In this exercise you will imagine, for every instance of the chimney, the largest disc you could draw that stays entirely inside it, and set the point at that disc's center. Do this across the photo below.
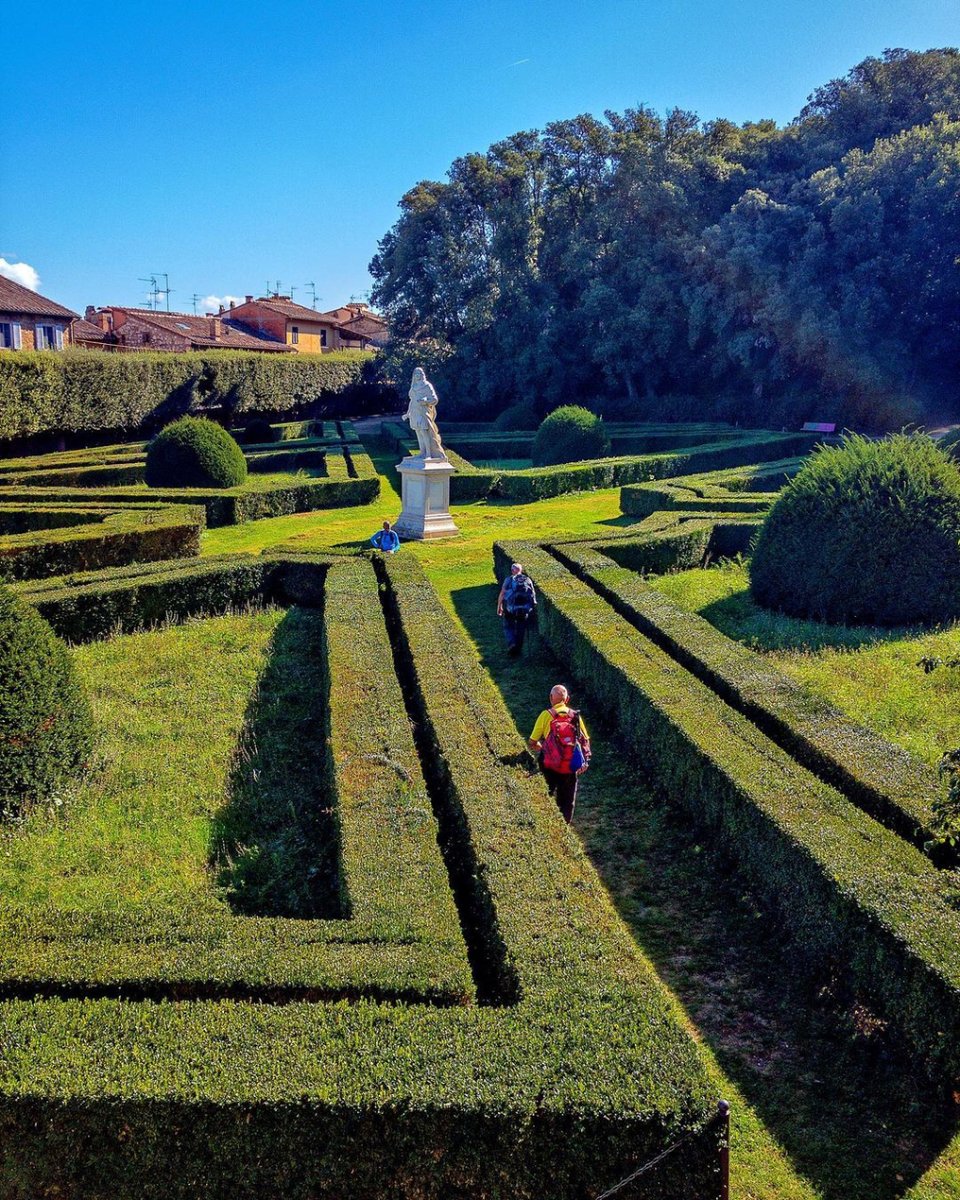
(90, 314)
(248, 300)
(221, 310)
(231, 304)
(104, 320)
(216, 327)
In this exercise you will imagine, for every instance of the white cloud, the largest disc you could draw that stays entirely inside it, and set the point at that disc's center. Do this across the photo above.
(20, 272)
(212, 303)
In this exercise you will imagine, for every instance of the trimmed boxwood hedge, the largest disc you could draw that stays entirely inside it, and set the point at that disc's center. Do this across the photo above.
(577, 1069)
(855, 898)
(101, 538)
(747, 489)
(537, 483)
(879, 777)
(41, 392)
(351, 478)
(388, 947)
(46, 729)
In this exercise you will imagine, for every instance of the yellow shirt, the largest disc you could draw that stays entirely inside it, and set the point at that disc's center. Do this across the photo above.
(542, 727)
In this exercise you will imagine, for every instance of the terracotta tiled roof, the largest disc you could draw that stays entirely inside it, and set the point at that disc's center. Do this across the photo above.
(197, 331)
(365, 326)
(86, 331)
(15, 298)
(295, 312)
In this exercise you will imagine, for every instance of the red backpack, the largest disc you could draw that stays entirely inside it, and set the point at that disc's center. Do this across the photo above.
(562, 740)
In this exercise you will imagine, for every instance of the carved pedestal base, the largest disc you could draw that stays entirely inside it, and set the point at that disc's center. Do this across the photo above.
(426, 499)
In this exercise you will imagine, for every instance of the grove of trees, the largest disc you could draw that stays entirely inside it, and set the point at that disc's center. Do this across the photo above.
(663, 267)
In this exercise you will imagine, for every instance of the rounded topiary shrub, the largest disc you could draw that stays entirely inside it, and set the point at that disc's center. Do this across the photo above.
(866, 533)
(45, 723)
(258, 431)
(570, 434)
(518, 417)
(194, 452)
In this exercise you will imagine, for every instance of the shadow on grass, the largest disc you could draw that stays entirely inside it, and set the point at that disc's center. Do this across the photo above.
(740, 617)
(824, 1076)
(275, 845)
(622, 521)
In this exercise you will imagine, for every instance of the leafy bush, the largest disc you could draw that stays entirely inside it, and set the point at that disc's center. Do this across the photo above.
(45, 722)
(950, 443)
(866, 533)
(518, 416)
(194, 452)
(570, 434)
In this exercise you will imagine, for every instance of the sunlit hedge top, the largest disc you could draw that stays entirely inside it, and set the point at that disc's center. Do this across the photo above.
(867, 532)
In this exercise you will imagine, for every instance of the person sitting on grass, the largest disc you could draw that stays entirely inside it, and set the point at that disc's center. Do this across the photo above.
(562, 745)
(386, 540)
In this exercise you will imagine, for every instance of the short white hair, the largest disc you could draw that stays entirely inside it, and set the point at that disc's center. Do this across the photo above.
(560, 690)
(516, 569)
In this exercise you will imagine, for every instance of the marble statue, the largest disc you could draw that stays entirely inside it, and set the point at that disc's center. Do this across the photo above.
(422, 416)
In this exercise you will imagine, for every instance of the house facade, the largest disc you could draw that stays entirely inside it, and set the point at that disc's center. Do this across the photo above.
(278, 317)
(147, 329)
(29, 321)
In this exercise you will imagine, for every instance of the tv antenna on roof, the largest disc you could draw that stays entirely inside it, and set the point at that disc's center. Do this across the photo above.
(195, 297)
(275, 290)
(154, 293)
(313, 293)
(165, 290)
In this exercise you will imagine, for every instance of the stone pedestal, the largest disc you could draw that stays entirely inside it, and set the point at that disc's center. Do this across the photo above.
(426, 499)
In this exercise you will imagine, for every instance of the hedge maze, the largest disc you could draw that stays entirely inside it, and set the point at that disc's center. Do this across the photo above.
(640, 452)
(87, 509)
(829, 823)
(460, 1012)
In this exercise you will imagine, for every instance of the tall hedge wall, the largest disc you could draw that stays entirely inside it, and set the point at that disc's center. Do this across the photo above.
(86, 391)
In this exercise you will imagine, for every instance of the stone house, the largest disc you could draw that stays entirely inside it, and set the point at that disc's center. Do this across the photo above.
(148, 329)
(29, 321)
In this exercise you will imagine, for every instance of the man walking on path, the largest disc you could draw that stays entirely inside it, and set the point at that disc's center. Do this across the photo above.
(562, 745)
(516, 604)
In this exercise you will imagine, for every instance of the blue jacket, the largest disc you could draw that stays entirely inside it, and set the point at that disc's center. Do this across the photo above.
(386, 540)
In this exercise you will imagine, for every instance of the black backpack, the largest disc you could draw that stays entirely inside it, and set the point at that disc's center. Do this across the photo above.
(520, 598)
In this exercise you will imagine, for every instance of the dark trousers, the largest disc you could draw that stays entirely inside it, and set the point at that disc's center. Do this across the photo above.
(563, 788)
(514, 630)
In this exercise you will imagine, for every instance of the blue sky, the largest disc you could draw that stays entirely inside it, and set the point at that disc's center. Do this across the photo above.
(229, 144)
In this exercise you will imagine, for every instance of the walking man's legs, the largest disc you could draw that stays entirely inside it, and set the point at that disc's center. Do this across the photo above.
(563, 788)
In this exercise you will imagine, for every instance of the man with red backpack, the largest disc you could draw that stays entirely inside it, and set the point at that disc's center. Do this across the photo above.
(562, 744)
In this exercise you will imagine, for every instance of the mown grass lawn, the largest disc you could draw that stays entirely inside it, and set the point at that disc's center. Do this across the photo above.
(169, 706)
(871, 674)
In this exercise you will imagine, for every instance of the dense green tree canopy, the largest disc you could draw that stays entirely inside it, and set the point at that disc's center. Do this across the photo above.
(662, 267)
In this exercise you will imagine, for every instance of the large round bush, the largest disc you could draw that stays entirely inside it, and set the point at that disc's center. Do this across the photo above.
(194, 452)
(45, 722)
(570, 434)
(866, 532)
